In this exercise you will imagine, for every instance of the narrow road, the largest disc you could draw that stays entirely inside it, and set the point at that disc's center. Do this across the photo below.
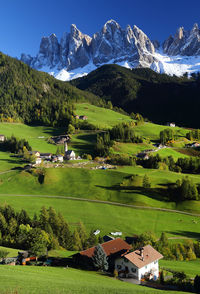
(104, 202)
(7, 171)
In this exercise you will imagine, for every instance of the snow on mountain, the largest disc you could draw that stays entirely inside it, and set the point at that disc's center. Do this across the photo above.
(77, 54)
(176, 65)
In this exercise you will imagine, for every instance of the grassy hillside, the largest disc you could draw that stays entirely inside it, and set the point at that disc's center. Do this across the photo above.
(110, 218)
(29, 280)
(100, 117)
(156, 96)
(97, 184)
(36, 135)
(191, 268)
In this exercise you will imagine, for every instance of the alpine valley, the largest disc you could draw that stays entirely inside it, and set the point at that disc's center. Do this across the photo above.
(77, 54)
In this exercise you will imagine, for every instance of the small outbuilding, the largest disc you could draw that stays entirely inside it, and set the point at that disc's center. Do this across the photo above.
(46, 156)
(2, 138)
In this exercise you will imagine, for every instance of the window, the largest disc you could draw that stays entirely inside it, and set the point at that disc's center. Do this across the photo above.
(133, 270)
(155, 262)
(145, 266)
(119, 266)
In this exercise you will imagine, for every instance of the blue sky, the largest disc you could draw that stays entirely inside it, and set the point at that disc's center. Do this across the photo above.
(24, 22)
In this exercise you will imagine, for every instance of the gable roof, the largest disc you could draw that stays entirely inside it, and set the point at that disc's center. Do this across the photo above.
(69, 152)
(149, 255)
(110, 247)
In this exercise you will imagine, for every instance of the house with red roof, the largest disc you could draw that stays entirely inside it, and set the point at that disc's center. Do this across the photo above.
(113, 249)
(141, 263)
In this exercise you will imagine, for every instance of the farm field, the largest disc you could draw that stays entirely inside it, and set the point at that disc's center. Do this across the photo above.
(8, 162)
(98, 185)
(110, 218)
(151, 131)
(101, 117)
(29, 280)
(191, 268)
(35, 135)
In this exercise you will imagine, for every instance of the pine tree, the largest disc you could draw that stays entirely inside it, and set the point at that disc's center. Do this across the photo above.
(164, 239)
(76, 241)
(100, 259)
(146, 182)
(197, 284)
(92, 240)
(82, 234)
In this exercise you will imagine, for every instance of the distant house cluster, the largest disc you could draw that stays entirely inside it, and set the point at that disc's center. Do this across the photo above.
(192, 145)
(145, 154)
(82, 117)
(39, 157)
(172, 124)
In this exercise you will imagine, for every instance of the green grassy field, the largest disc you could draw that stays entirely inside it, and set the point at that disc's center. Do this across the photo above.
(110, 218)
(191, 268)
(101, 117)
(12, 252)
(97, 184)
(29, 280)
(8, 162)
(35, 135)
(83, 142)
(151, 131)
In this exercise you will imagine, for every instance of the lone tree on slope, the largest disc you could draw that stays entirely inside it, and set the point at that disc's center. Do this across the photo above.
(100, 259)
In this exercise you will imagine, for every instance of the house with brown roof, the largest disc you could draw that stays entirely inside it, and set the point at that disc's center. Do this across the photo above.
(113, 249)
(83, 117)
(141, 263)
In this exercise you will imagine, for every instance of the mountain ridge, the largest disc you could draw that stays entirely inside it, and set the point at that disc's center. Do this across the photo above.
(77, 54)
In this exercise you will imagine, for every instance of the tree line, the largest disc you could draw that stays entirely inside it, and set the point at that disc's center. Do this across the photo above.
(45, 231)
(122, 132)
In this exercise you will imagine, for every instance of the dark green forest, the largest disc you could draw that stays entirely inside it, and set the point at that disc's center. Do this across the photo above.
(159, 97)
(33, 97)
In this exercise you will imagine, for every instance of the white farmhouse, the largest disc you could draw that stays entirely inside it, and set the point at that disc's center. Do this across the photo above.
(38, 160)
(60, 158)
(142, 263)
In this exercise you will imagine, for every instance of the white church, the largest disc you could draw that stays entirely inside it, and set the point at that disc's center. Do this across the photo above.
(69, 154)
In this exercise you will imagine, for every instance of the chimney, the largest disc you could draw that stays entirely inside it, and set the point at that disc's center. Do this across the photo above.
(142, 253)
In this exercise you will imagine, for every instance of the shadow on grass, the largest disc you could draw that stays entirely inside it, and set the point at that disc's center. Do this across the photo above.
(188, 234)
(91, 138)
(153, 193)
(51, 131)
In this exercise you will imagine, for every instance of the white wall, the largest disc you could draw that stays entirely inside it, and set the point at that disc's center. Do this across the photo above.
(123, 263)
(133, 271)
(148, 268)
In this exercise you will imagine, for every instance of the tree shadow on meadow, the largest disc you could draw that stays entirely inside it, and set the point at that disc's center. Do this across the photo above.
(153, 193)
(188, 234)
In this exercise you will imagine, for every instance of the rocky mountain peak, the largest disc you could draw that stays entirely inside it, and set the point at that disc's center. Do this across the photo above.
(186, 43)
(195, 28)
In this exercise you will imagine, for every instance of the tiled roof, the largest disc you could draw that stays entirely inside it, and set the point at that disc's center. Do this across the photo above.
(149, 255)
(110, 247)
